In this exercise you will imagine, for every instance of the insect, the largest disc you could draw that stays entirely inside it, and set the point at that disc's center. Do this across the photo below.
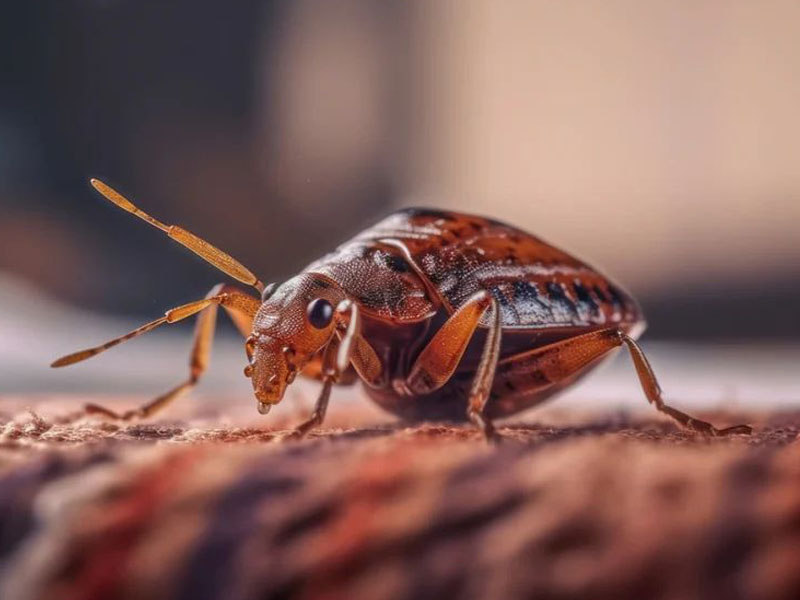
(442, 315)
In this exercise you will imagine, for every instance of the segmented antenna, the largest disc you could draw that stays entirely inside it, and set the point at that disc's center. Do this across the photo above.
(208, 252)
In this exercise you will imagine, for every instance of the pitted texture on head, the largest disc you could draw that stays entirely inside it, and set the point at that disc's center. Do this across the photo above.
(283, 338)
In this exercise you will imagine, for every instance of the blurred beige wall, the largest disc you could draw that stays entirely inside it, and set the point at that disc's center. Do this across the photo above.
(660, 139)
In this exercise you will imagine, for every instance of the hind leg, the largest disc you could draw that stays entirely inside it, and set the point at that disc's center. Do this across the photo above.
(653, 393)
(541, 369)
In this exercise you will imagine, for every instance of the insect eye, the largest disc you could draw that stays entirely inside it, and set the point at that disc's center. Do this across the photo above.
(320, 313)
(268, 291)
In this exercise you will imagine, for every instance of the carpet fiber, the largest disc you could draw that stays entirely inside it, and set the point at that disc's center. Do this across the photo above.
(596, 509)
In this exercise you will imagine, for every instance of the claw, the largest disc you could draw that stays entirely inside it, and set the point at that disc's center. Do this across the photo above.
(736, 429)
(708, 429)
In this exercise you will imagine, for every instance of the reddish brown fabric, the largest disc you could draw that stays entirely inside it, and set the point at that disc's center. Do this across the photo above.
(599, 510)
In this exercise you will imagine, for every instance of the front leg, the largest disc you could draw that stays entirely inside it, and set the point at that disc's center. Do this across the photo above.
(329, 376)
(317, 417)
(347, 347)
(314, 369)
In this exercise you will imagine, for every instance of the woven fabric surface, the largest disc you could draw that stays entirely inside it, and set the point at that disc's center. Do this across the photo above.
(598, 510)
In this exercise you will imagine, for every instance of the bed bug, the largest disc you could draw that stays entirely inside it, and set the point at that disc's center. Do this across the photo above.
(442, 315)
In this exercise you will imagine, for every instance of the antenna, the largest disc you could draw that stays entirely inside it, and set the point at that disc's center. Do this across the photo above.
(210, 253)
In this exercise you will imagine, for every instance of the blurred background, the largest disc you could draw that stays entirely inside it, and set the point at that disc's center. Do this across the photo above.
(660, 141)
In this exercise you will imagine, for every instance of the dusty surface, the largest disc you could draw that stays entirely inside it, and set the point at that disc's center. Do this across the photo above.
(585, 506)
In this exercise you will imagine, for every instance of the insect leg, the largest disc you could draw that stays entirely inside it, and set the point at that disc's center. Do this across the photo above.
(653, 393)
(484, 376)
(329, 377)
(314, 370)
(353, 349)
(532, 372)
(346, 348)
(439, 358)
(241, 308)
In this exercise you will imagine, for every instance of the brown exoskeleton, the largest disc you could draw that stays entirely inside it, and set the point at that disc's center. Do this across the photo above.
(442, 315)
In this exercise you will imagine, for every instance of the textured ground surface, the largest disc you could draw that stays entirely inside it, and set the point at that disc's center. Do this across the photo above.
(588, 508)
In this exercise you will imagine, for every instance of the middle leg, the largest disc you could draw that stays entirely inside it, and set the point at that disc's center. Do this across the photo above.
(437, 362)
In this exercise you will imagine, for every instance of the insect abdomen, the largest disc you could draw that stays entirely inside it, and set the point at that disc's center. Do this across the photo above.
(536, 285)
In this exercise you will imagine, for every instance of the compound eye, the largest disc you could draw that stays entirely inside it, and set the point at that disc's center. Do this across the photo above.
(320, 313)
(268, 291)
